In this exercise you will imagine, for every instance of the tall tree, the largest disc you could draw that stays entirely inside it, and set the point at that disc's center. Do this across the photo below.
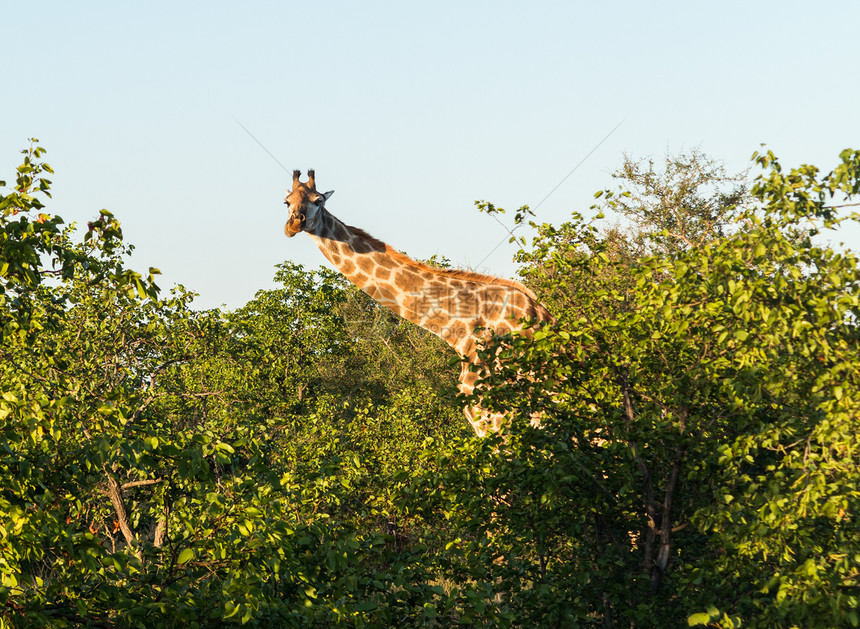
(684, 203)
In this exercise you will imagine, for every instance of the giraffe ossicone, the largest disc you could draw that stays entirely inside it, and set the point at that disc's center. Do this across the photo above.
(449, 303)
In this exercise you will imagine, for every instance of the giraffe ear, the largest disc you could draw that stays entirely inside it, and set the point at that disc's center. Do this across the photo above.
(326, 195)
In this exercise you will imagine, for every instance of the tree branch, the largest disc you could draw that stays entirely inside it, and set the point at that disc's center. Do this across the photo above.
(114, 492)
(141, 483)
(662, 562)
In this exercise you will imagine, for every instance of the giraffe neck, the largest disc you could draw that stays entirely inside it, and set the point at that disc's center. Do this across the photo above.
(450, 304)
(365, 261)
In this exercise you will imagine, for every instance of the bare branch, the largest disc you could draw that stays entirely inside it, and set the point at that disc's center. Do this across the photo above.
(141, 483)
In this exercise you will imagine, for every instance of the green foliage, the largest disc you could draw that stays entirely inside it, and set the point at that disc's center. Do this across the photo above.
(302, 461)
(160, 466)
(698, 455)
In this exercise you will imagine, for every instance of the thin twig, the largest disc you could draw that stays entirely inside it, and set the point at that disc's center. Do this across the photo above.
(833, 207)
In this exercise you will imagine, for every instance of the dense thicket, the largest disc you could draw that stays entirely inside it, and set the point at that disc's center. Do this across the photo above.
(302, 461)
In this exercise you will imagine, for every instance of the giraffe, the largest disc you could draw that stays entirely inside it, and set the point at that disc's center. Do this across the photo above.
(460, 307)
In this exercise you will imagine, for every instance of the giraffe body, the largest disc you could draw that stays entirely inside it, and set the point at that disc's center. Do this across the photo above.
(449, 303)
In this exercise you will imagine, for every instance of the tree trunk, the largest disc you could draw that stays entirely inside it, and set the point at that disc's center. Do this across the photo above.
(114, 492)
(660, 565)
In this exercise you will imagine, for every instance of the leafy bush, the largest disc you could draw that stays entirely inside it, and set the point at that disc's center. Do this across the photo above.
(698, 456)
(302, 461)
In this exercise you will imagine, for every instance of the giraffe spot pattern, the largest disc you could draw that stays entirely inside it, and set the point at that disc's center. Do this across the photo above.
(366, 264)
(406, 280)
(382, 273)
(339, 232)
(361, 246)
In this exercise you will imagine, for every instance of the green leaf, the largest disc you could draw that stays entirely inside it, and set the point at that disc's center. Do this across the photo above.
(185, 556)
(231, 609)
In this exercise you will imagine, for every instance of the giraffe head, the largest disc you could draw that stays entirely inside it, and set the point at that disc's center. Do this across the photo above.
(304, 203)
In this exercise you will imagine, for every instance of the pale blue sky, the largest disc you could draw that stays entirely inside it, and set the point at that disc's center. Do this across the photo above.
(410, 112)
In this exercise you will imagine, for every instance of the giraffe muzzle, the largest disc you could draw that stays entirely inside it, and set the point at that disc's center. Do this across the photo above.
(294, 225)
